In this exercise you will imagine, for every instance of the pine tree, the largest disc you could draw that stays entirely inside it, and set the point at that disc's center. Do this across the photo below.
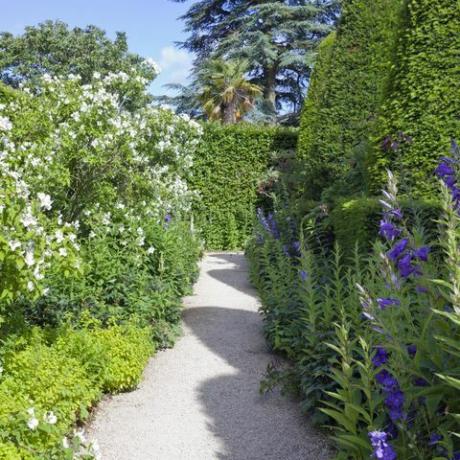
(277, 37)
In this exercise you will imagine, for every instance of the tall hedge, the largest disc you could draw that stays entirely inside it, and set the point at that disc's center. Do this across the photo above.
(228, 167)
(422, 114)
(345, 95)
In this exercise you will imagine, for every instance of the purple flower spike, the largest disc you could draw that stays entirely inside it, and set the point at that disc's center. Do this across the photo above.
(381, 449)
(380, 357)
(385, 302)
(386, 380)
(444, 169)
(422, 253)
(398, 249)
(421, 289)
(405, 266)
(388, 230)
(303, 275)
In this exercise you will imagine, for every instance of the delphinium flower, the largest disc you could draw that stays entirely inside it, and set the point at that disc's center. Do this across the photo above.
(394, 397)
(446, 171)
(381, 449)
(402, 255)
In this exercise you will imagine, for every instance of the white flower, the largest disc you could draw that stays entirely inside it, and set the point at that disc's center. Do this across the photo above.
(141, 241)
(120, 206)
(59, 236)
(46, 291)
(65, 443)
(29, 257)
(50, 418)
(38, 276)
(28, 220)
(63, 252)
(5, 124)
(150, 250)
(1, 370)
(149, 62)
(30, 286)
(32, 423)
(92, 234)
(31, 411)
(106, 218)
(45, 201)
(15, 244)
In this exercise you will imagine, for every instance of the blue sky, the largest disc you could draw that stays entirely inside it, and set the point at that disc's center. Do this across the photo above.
(151, 25)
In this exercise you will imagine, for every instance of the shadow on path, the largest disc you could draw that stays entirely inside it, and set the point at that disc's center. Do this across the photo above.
(251, 426)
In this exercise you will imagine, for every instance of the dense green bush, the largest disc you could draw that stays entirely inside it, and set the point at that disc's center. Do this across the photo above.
(228, 166)
(50, 381)
(422, 103)
(345, 95)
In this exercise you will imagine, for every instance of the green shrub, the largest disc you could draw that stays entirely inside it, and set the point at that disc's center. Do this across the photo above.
(345, 95)
(422, 108)
(63, 372)
(113, 358)
(229, 163)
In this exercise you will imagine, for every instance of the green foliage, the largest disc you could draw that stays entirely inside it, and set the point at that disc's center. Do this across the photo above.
(229, 164)
(51, 380)
(327, 315)
(54, 48)
(422, 105)
(97, 248)
(345, 95)
(277, 37)
(355, 222)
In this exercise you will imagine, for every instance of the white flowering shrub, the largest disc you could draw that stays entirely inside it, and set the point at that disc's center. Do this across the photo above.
(87, 157)
(31, 241)
(96, 224)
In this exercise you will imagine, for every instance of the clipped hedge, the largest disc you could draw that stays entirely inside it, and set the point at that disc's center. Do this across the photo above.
(228, 166)
(422, 114)
(345, 95)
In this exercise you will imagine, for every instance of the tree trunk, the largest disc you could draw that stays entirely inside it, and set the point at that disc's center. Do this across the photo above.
(270, 88)
(229, 113)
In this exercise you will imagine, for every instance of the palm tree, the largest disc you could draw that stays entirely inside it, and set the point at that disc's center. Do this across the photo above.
(224, 91)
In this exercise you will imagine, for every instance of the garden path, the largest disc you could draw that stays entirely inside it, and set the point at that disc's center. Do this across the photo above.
(200, 400)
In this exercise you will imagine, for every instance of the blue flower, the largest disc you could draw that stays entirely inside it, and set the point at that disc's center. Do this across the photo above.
(398, 249)
(388, 230)
(381, 449)
(168, 218)
(444, 169)
(395, 403)
(385, 302)
(380, 357)
(296, 247)
(405, 266)
(422, 253)
(386, 380)
(412, 350)
(303, 275)
(434, 439)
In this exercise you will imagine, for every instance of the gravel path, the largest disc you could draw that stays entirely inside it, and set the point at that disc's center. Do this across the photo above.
(200, 400)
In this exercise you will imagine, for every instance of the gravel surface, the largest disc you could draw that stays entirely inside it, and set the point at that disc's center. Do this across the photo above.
(200, 400)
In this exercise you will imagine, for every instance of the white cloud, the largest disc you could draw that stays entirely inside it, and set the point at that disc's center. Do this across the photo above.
(176, 64)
